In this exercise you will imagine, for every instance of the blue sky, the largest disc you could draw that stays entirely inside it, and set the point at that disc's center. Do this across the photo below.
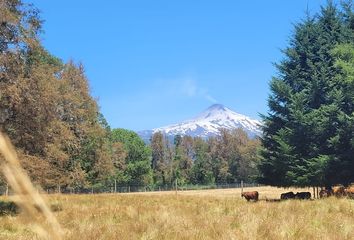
(153, 63)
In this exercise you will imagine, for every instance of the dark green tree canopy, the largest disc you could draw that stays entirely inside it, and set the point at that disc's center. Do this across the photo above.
(308, 130)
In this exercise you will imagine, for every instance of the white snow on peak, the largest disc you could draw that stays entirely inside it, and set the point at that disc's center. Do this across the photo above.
(209, 122)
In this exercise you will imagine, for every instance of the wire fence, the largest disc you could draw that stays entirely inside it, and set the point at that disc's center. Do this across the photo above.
(117, 188)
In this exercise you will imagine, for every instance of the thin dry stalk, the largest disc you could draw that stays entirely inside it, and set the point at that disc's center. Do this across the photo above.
(26, 195)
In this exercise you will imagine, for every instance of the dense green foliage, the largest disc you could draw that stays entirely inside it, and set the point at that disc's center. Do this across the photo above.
(227, 158)
(309, 130)
(136, 164)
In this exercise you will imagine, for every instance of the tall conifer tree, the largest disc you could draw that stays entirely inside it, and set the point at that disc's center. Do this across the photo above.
(302, 128)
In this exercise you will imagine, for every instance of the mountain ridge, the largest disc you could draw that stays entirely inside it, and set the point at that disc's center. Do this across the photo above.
(208, 123)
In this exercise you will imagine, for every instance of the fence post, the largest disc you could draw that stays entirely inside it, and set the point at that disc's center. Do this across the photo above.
(317, 193)
(241, 186)
(59, 190)
(115, 185)
(176, 185)
(7, 189)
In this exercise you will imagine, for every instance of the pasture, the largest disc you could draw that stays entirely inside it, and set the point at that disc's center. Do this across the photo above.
(205, 214)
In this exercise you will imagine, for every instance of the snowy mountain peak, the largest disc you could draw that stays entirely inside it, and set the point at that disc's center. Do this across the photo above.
(216, 107)
(218, 111)
(213, 110)
(208, 123)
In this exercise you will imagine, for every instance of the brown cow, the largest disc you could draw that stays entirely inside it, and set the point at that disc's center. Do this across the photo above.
(288, 195)
(339, 191)
(303, 195)
(326, 193)
(350, 192)
(250, 195)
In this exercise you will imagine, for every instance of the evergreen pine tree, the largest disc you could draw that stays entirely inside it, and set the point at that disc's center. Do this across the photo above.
(303, 127)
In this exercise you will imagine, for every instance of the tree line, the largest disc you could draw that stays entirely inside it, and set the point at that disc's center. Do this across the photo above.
(226, 158)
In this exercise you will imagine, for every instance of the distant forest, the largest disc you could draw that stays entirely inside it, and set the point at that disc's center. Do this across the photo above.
(63, 140)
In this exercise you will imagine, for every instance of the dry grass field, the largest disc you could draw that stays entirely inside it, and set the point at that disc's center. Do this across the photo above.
(206, 214)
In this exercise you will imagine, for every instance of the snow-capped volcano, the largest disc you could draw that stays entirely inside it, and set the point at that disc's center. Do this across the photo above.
(208, 124)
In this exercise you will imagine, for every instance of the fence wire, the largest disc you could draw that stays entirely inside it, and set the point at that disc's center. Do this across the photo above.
(133, 188)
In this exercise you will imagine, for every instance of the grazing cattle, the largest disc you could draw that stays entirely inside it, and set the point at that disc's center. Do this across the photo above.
(288, 195)
(250, 195)
(326, 193)
(350, 192)
(339, 191)
(303, 195)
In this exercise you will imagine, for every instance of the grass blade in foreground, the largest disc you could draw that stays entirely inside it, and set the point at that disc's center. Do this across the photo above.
(27, 196)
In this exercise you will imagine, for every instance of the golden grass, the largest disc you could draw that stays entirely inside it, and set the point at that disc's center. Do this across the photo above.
(208, 214)
(26, 196)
